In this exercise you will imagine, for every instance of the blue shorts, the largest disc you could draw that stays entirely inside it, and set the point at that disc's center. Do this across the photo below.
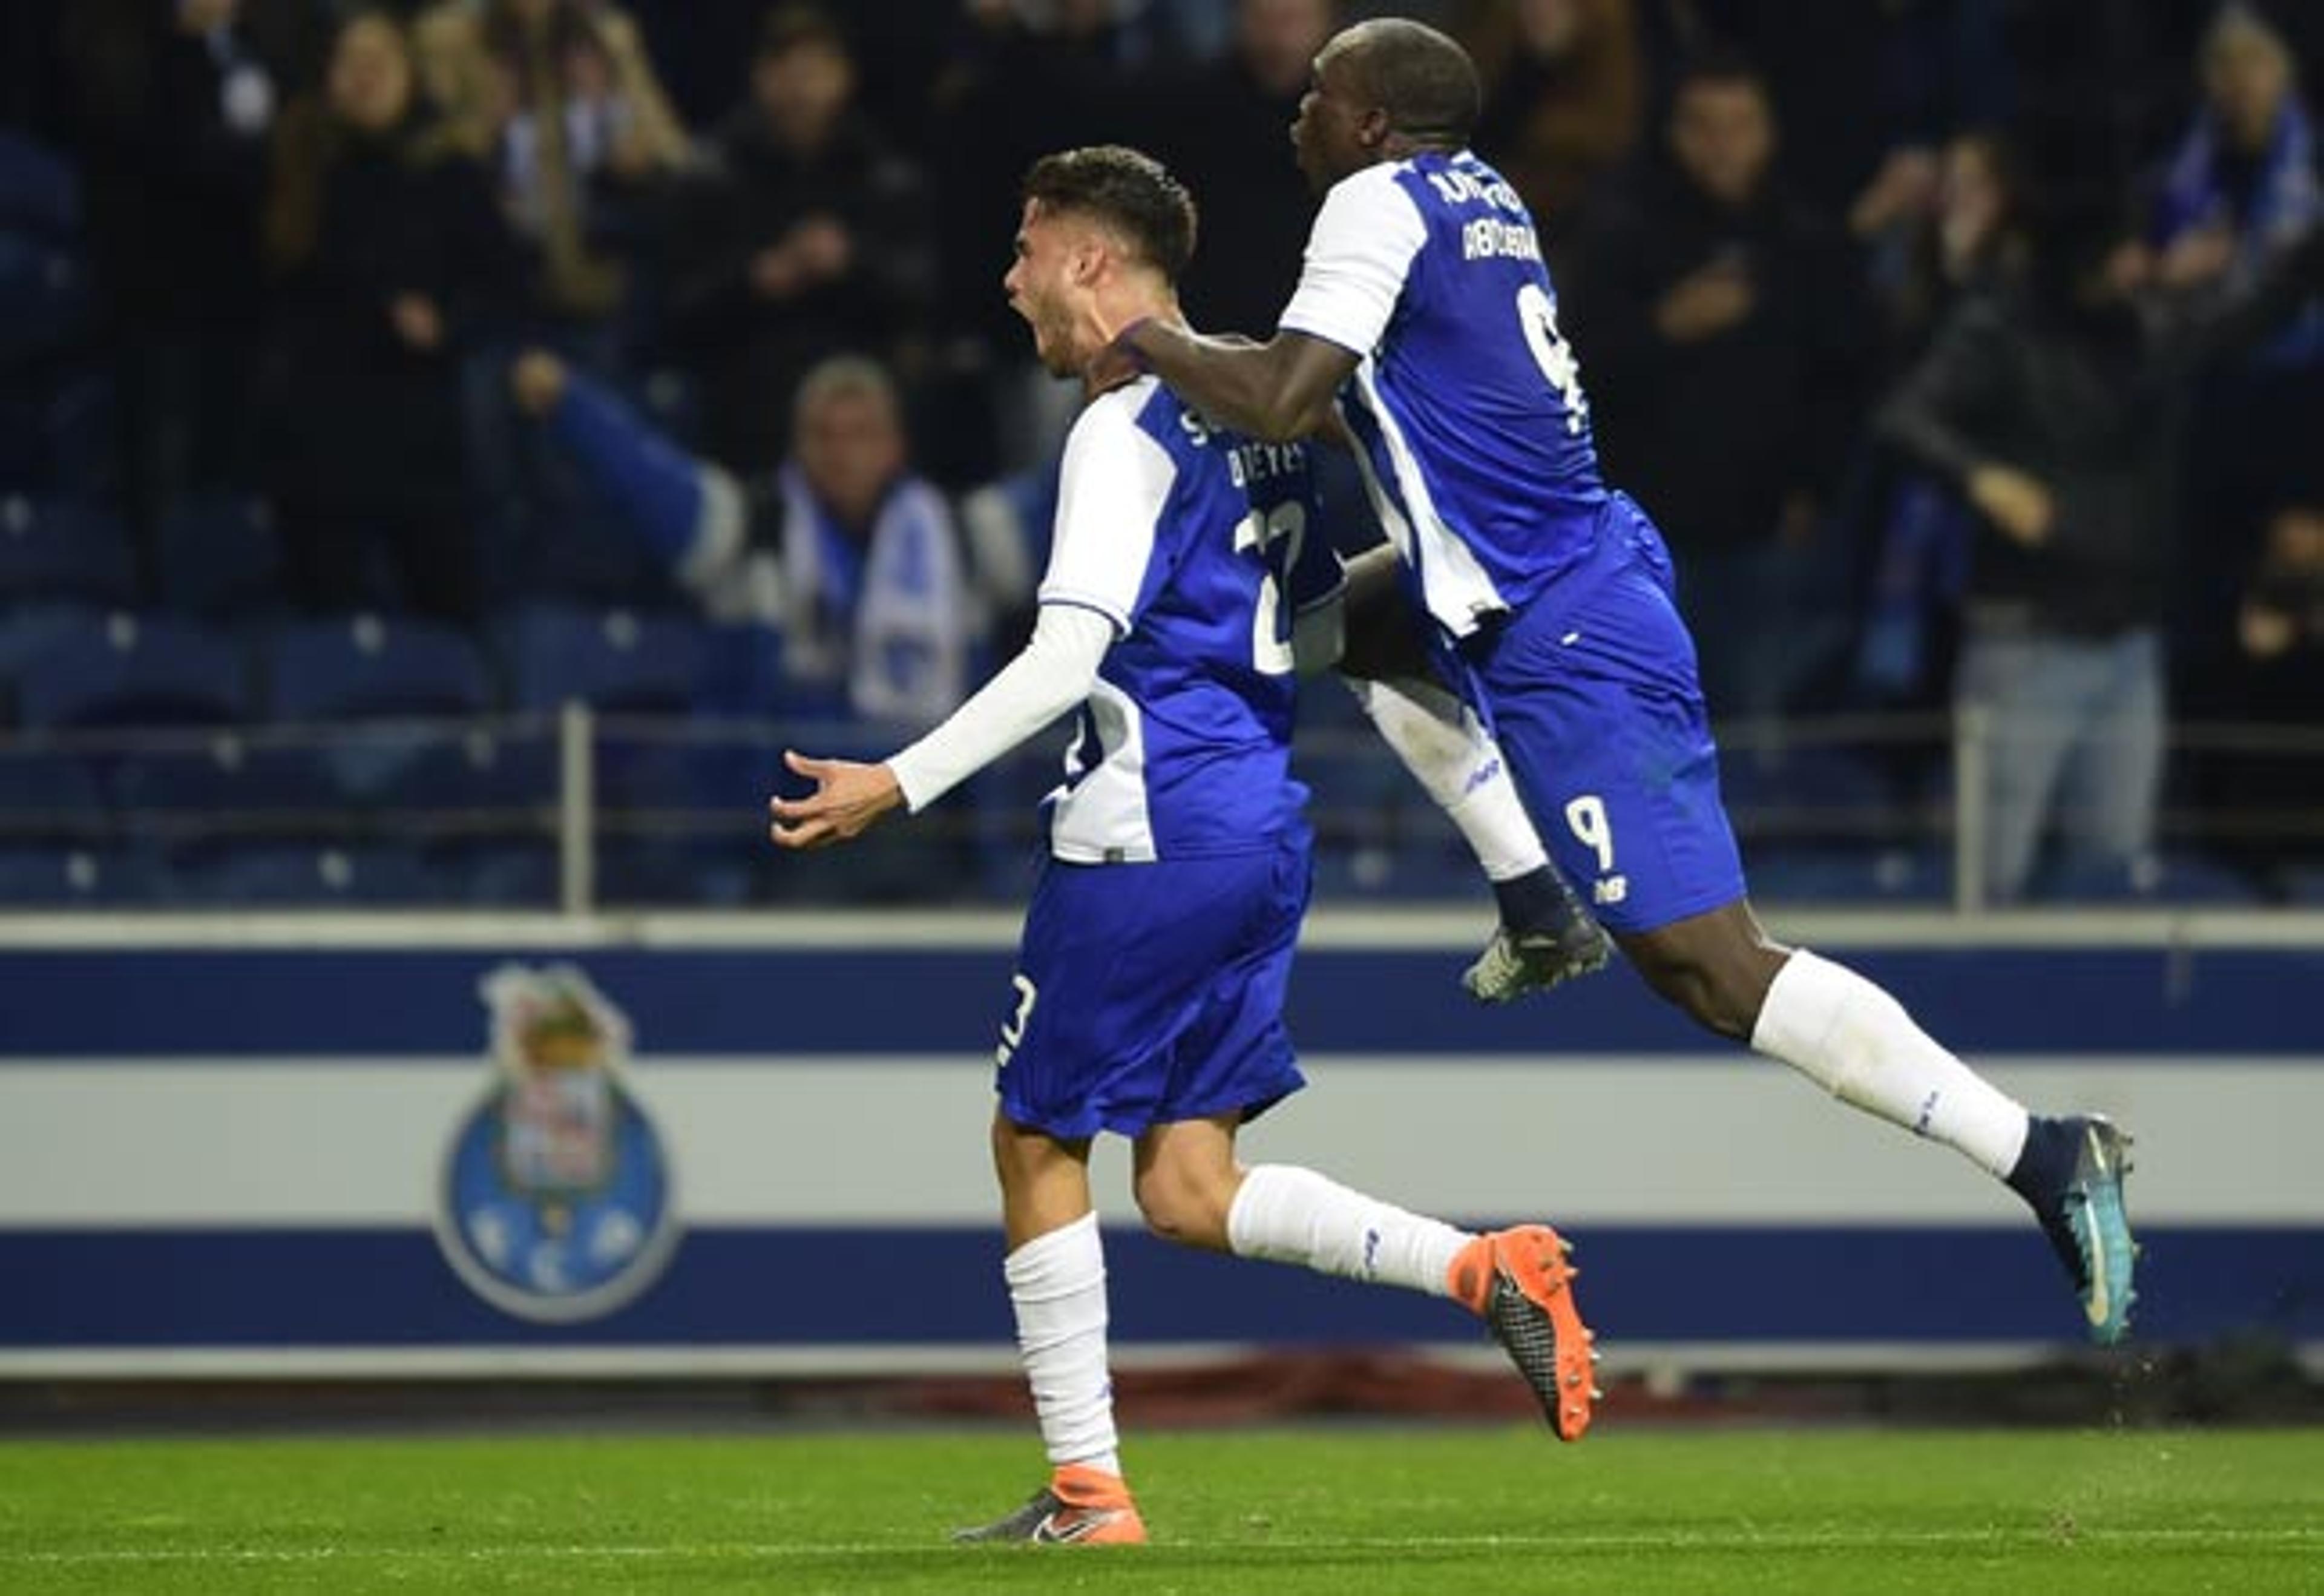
(1592, 691)
(1151, 993)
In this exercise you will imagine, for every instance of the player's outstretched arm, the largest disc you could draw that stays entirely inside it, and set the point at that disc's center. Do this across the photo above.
(1054, 671)
(1275, 391)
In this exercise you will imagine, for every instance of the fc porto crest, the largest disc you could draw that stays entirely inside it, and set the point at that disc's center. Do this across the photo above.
(556, 1203)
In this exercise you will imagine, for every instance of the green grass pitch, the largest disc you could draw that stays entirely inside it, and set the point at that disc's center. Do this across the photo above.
(1351, 1512)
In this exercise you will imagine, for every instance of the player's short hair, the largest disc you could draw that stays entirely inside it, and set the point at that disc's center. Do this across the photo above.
(1422, 78)
(1127, 190)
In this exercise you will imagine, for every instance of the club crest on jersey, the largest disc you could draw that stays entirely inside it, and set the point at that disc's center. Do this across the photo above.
(555, 1202)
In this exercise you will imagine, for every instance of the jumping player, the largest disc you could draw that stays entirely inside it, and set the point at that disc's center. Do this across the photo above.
(1425, 318)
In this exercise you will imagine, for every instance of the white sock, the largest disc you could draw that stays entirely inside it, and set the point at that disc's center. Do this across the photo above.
(1287, 1214)
(1057, 1284)
(1449, 752)
(1856, 1042)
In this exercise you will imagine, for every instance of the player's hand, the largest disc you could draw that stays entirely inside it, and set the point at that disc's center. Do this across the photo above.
(2017, 503)
(848, 798)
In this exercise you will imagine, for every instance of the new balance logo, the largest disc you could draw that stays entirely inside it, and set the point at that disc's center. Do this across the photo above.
(1928, 1114)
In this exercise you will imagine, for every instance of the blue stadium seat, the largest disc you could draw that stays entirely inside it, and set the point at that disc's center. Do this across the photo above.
(1327, 705)
(497, 872)
(619, 662)
(1849, 873)
(59, 877)
(217, 555)
(1354, 778)
(28, 631)
(367, 666)
(2303, 883)
(287, 874)
(59, 549)
(2173, 878)
(631, 872)
(742, 671)
(228, 786)
(1828, 785)
(673, 874)
(1412, 869)
(123, 669)
(48, 796)
(467, 779)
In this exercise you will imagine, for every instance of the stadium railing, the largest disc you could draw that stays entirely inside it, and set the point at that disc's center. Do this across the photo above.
(570, 810)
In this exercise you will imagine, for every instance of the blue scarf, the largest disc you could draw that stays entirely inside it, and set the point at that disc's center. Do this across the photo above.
(2284, 202)
(890, 617)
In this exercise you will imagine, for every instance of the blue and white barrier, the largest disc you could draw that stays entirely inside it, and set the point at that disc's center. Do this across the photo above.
(286, 1146)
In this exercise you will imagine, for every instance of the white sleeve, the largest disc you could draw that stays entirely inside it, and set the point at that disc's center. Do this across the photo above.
(1111, 491)
(1054, 671)
(1358, 254)
(1319, 636)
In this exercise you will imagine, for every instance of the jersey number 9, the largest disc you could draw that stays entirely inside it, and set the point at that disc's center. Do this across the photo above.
(1537, 315)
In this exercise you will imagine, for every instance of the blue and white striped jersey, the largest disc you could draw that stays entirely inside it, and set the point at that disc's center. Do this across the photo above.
(1196, 544)
(1467, 403)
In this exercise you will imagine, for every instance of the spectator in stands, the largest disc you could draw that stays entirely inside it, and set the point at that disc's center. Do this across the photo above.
(850, 555)
(1206, 122)
(809, 236)
(2055, 404)
(1724, 321)
(1565, 97)
(178, 109)
(471, 93)
(589, 133)
(1971, 241)
(1966, 237)
(387, 248)
(2239, 190)
(2279, 663)
(2242, 187)
(1025, 79)
(43, 286)
(2284, 603)
(1869, 93)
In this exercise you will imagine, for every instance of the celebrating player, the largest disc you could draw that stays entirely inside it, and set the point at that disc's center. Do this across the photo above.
(1184, 588)
(1424, 310)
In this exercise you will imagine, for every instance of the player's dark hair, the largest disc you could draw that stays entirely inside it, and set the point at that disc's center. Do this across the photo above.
(1127, 190)
(1422, 78)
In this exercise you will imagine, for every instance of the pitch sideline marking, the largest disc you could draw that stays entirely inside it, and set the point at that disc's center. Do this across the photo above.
(1678, 1541)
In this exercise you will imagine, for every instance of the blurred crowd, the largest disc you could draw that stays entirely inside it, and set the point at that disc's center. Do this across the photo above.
(1969, 351)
